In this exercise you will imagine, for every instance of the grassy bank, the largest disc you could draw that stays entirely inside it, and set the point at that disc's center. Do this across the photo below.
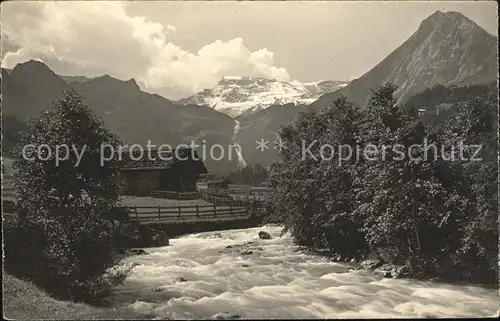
(23, 300)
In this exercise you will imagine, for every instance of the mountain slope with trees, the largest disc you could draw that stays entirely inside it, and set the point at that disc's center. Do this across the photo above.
(125, 109)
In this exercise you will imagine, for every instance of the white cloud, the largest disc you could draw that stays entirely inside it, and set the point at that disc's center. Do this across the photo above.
(193, 72)
(171, 28)
(100, 35)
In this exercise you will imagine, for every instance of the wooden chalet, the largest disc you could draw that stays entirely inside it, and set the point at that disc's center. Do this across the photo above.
(140, 175)
(217, 185)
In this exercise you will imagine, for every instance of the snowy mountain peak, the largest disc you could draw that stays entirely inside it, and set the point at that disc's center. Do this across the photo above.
(236, 95)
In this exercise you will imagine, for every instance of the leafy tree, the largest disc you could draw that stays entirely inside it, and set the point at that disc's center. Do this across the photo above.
(340, 229)
(314, 191)
(293, 178)
(475, 122)
(402, 199)
(64, 240)
(411, 201)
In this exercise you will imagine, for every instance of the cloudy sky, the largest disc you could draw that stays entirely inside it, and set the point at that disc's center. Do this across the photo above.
(179, 48)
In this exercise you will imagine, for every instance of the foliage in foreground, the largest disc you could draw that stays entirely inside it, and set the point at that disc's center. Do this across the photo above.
(22, 300)
(63, 241)
(436, 214)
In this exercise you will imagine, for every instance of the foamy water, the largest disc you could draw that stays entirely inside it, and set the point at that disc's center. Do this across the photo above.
(277, 281)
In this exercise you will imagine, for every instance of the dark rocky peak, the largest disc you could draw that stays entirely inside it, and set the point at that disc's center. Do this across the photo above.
(133, 83)
(32, 68)
(110, 83)
(449, 21)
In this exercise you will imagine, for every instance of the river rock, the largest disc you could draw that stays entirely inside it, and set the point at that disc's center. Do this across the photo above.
(372, 264)
(399, 272)
(337, 258)
(138, 251)
(247, 252)
(264, 235)
(384, 270)
(181, 279)
(215, 236)
(225, 251)
(226, 316)
(160, 239)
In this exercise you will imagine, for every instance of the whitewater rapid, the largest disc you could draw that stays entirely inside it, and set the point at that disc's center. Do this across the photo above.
(279, 281)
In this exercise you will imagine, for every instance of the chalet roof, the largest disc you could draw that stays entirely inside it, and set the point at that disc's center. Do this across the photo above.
(151, 160)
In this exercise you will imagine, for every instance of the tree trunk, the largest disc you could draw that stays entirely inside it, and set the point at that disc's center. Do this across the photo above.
(419, 247)
(414, 209)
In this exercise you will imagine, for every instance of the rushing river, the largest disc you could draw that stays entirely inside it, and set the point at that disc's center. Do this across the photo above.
(199, 276)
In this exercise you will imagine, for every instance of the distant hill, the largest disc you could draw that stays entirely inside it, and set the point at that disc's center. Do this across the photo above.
(11, 129)
(72, 79)
(432, 97)
(438, 102)
(265, 125)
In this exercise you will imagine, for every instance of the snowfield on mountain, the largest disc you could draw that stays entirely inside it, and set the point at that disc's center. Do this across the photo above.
(236, 96)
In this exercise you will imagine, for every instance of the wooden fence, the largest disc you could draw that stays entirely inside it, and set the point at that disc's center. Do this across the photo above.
(182, 213)
(219, 199)
(174, 195)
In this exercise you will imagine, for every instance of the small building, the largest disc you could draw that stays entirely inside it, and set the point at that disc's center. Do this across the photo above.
(217, 185)
(174, 172)
(259, 193)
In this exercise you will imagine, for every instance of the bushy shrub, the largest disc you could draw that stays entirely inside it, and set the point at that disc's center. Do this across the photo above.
(63, 240)
(62, 255)
(437, 215)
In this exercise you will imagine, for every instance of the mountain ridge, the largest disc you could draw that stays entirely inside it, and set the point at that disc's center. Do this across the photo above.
(240, 95)
(124, 107)
(440, 36)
